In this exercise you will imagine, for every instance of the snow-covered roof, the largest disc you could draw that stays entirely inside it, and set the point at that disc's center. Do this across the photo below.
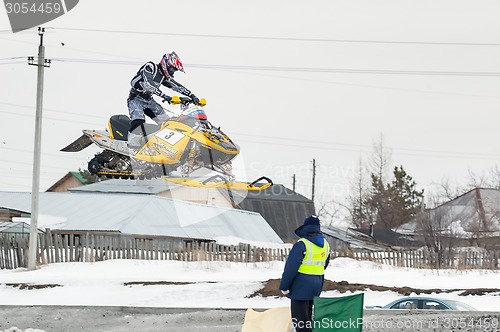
(357, 241)
(141, 214)
(152, 186)
(14, 227)
(476, 211)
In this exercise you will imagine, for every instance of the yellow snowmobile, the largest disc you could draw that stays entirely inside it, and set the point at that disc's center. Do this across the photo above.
(185, 143)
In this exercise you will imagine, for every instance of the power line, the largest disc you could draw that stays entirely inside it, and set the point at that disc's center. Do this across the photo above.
(49, 118)
(350, 70)
(29, 151)
(328, 40)
(335, 146)
(294, 69)
(303, 69)
(11, 63)
(358, 147)
(14, 58)
(401, 151)
(48, 109)
(100, 61)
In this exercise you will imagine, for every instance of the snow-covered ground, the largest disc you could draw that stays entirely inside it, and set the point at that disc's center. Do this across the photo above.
(218, 284)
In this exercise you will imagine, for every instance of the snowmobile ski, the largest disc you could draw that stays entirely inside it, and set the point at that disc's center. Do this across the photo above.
(79, 144)
(217, 181)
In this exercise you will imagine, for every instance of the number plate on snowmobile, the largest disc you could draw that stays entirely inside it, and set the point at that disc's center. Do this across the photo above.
(170, 136)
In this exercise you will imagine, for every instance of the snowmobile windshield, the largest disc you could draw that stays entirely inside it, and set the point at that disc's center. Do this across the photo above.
(197, 113)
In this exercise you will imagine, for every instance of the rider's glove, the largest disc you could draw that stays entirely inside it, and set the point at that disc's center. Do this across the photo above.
(285, 292)
(165, 98)
(195, 99)
(175, 100)
(171, 100)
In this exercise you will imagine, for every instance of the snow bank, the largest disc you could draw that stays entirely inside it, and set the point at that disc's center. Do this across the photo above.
(15, 329)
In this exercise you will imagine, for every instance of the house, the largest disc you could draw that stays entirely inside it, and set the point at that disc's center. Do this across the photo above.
(281, 207)
(12, 222)
(158, 187)
(139, 214)
(7, 214)
(347, 238)
(388, 237)
(70, 180)
(14, 227)
(472, 218)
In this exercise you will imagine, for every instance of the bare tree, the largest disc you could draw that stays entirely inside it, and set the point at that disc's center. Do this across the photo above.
(484, 219)
(380, 160)
(360, 212)
(494, 178)
(331, 212)
(379, 165)
(476, 180)
(491, 179)
(439, 235)
(445, 191)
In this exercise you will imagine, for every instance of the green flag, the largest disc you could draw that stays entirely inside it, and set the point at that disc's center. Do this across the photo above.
(338, 313)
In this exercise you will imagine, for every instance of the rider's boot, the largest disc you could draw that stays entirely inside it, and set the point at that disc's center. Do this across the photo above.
(135, 142)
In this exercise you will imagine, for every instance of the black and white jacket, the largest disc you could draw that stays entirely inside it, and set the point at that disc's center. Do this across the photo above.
(148, 80)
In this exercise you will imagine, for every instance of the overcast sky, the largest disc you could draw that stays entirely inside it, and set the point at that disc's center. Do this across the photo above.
(289, 81)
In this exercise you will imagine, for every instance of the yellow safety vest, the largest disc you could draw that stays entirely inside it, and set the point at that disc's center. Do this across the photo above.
(315, 258)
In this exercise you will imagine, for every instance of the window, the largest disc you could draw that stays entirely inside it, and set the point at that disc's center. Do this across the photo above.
(405, 305)
(433, 305)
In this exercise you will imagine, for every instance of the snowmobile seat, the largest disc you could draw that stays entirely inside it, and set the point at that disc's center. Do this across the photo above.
(120, 124)
(118, 127)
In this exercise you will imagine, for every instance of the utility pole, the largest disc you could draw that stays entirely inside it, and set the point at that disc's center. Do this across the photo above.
(293, 183)
(313, 179)
(35, 188)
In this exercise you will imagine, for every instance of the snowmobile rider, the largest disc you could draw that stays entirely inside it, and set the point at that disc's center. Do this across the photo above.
(146, 83)
(303, 275)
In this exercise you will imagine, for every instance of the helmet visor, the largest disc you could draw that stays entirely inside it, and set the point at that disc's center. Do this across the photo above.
(171, 70)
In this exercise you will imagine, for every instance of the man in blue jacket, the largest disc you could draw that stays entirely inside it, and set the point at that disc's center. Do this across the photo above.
(303, 276)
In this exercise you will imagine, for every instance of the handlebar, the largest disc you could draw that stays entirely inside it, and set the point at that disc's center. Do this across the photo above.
(186, 101)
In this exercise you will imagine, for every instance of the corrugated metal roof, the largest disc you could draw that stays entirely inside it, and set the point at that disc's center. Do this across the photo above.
(141, 214)
(463, 215)
(153, 186)
(284, 209)
(14, 227)
(276, 192)
(346, 236)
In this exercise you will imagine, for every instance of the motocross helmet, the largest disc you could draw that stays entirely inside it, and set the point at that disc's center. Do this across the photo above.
(170, 63)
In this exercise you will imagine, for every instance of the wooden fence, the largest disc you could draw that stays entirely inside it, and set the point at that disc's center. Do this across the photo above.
(59, 248)
(426, 259)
